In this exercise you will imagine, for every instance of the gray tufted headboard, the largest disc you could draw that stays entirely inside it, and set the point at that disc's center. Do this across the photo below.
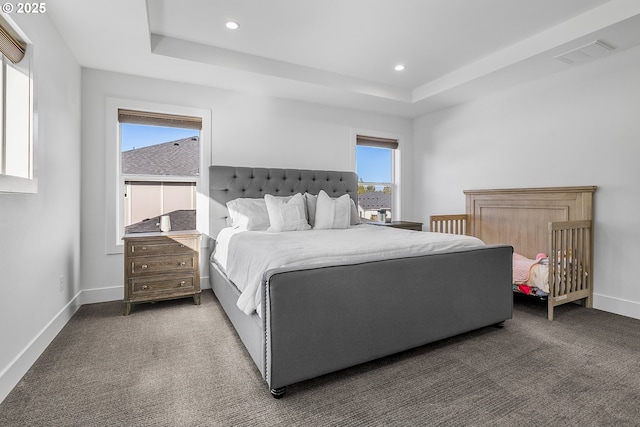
(231, 182)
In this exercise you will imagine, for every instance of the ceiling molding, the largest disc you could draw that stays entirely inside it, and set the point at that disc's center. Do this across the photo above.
(164, 40)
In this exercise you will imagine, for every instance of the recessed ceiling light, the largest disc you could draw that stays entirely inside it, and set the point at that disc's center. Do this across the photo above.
(399, 67)
(232, 25)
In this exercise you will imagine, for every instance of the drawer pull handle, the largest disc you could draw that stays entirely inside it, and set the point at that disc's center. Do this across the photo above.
(145, 287)
(182, 246)
(182, 283)
(144, 266)
(144, 248)
(182, 264)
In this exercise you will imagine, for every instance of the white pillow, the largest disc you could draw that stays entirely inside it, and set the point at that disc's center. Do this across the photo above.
(287, 213)
(312, 201)
(248, 214)
(355, 216)
(332, 213)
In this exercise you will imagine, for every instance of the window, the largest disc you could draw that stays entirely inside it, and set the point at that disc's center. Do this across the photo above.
(16, 113)
(375, 166)
(115, 189)
(160, 167)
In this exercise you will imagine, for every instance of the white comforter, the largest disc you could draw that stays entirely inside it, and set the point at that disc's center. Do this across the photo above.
(246, 255)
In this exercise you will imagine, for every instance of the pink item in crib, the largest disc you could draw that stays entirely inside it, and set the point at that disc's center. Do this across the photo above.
(521, 267)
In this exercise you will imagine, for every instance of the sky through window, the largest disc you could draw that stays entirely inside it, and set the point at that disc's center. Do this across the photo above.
(373, 164)
(139, 136)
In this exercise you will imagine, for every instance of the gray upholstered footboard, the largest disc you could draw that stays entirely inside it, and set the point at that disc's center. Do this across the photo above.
(320, 320)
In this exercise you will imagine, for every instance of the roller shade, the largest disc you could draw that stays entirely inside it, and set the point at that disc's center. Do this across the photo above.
(159, 119)
(10, 46)
(374, 141)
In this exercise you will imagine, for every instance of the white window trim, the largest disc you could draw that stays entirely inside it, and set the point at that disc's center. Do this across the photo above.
(114, 194)
(15, 184)
(396, 187)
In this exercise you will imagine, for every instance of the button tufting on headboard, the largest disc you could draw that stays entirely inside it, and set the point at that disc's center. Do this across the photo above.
(230, 182)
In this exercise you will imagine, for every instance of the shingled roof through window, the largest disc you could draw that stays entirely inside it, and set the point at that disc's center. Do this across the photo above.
(173, 158)
(374, 200)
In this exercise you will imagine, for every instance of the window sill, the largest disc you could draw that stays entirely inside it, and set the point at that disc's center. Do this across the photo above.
(14, 184)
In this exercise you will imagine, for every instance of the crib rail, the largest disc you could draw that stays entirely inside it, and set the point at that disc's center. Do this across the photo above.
(452, 224)
(569, 263)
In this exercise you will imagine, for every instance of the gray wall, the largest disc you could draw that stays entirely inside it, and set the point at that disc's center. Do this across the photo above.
(245, 130)
(40, 233)
(577, 127)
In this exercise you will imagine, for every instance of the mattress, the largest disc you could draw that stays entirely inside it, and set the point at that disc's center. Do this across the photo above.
(245, 256)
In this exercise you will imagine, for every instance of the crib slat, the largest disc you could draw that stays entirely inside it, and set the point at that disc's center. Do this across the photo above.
(569, 263)
(452, 224)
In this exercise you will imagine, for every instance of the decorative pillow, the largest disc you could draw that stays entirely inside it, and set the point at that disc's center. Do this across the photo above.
(355, 216)
(248, 214)
(312, 201)
(332, 213)
(287, 213)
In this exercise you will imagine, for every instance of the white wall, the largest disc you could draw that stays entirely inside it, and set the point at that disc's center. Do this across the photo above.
(246, 131)
(40, 233)
(577, 127)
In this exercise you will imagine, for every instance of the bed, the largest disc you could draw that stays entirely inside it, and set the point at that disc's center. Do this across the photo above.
(550, 230)
(317, 319)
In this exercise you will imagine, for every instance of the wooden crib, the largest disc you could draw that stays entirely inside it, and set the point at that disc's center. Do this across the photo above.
(557, 221)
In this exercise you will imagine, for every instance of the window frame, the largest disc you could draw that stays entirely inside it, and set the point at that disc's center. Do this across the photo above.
(396, 153)
(12, 183)
(114, 194)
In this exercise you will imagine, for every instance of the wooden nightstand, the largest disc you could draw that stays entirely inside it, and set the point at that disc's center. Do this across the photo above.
(159, 266)
(405, 225)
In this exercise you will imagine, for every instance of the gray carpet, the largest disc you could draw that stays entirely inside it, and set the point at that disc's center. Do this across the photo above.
(177, 364)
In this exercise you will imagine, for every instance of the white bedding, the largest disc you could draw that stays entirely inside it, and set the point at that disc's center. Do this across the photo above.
(246, 255)
(539, 277)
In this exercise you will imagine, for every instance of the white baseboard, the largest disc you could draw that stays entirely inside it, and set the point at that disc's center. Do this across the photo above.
(92, 296)
(617, 305)
(204, 282)
(19, 366)
(116, 293)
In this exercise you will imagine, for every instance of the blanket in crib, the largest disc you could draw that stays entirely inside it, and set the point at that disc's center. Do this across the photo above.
(521, 267)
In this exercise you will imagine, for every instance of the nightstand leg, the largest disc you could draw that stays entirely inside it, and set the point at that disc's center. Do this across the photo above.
(196, 299)
(127, 308)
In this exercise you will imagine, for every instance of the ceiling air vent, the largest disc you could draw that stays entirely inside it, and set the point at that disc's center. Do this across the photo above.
(596, 49)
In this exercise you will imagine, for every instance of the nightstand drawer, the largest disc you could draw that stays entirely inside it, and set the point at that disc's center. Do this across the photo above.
(156, 265)
(161, 286)
(162, 246)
